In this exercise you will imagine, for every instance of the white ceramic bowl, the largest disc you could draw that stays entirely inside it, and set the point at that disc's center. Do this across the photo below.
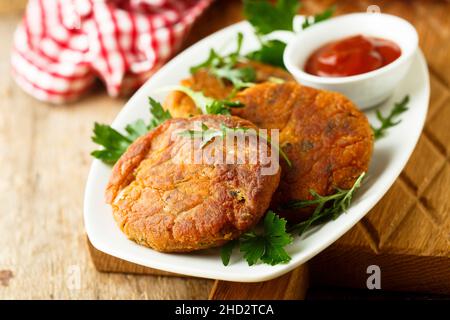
(367, 89)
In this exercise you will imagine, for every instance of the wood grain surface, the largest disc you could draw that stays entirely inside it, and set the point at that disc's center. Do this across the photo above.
(44, 154)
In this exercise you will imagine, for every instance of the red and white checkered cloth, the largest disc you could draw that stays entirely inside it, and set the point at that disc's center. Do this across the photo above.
(62, 46)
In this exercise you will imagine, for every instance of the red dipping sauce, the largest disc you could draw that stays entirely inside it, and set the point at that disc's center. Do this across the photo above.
(351, 56)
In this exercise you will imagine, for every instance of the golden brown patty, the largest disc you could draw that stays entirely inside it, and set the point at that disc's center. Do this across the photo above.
(180, 105)
(162, 200)
(328, 140)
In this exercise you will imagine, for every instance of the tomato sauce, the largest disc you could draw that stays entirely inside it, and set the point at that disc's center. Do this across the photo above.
(351, 56)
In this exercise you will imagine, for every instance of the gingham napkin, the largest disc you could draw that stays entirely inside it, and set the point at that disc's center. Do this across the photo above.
(62, 46)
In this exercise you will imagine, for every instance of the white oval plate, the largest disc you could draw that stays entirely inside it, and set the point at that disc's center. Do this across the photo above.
(390, 156)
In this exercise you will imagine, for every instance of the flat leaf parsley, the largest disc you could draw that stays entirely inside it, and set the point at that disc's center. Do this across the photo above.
(266, 246)
(115, 143)
(266, 18)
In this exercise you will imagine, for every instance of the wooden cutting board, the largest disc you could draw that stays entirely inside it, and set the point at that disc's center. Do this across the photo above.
(408, 233)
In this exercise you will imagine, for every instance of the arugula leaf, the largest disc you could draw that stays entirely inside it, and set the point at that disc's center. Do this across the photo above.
(234, 56)
(224, 67)
(214, 59)
(239, 77)
(205, 104)
(267, 246)
(266, 17)
(271, 52)
(115, 144)
(208, 134)
(279, 149)
(388, 122)
(327, 207)
(222, 107)
(325, 15)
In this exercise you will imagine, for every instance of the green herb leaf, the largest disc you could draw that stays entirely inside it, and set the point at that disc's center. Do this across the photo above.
(224, 67)
(136, 129)
(266, 17)
(222, 107)
(325, 15)
(208, 134)
(226, 250)
(213, 58)
(234, 56)
(271, 52)
(327, 207)
(280, 151)
(115, 144)
(159, 114)
(239, 77)
(205, 104)
(252, 246)
(388, 122)
(267, 246)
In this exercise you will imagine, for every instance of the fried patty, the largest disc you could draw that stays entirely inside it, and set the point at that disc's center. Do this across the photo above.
(180, 105)
(327, 139)
(164, 200)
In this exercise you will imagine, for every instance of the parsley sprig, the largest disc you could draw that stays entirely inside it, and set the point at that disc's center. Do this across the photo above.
(266, 17)
(207, 135)
(267, 246)
(270, 52)
(115, 143)
(388, 122)
(327, 207)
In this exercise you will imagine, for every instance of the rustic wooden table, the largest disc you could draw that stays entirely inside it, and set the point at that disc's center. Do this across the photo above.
(44, 154)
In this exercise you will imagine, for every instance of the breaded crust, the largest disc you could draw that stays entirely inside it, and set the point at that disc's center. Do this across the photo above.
(180, 105)
(328, 140)
(162, 200)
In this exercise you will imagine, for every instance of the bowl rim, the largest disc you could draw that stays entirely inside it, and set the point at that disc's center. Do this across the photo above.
(404, 56)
